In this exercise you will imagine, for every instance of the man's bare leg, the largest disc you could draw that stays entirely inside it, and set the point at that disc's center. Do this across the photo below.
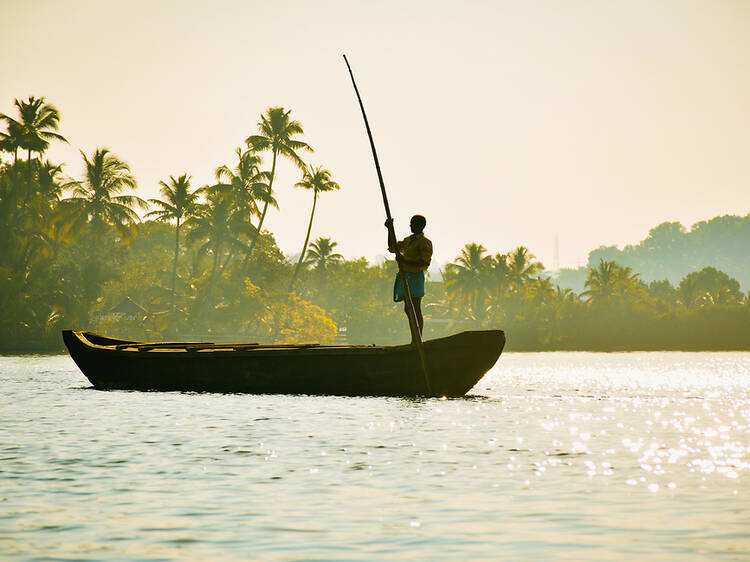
(417, 312)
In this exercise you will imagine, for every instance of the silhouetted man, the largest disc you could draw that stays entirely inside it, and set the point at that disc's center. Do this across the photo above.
(414, 254)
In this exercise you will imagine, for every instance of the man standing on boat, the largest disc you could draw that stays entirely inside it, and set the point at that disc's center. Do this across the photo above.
(414, 254)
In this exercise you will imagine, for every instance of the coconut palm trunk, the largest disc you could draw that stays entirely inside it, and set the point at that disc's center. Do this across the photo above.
(179, 204)
(226, 261)
(174, 273)
(263, 213)
(276, 134)
(317, 180)
(304, 246)
(95, 207)
(212, 283)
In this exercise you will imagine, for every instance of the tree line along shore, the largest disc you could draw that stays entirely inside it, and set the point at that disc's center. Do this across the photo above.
(197, 263)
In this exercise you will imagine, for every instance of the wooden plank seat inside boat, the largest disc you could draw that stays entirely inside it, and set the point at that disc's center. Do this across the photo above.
(209, 346)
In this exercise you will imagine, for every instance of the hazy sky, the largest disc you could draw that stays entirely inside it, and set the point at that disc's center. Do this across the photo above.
(505, 123)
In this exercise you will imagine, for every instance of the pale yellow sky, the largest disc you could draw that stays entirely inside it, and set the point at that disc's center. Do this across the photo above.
(505, 123)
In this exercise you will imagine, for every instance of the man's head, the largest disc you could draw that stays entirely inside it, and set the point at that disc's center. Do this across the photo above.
(417, 223)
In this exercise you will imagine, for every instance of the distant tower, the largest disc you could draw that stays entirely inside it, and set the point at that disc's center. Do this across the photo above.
(556, 256)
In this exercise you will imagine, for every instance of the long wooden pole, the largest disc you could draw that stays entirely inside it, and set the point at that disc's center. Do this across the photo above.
(410, 312)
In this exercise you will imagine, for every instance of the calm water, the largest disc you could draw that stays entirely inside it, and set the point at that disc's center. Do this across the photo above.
(564, 455)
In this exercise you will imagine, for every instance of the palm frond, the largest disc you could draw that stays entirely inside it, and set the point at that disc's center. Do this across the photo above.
(131, 201)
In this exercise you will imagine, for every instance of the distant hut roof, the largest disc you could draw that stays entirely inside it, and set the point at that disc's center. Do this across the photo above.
(127, 306)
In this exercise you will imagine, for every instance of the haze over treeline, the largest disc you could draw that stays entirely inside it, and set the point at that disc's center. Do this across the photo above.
(199, 263)
(589, 121)
(671, 251)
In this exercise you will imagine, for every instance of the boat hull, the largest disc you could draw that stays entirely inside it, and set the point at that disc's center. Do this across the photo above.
(455, 364)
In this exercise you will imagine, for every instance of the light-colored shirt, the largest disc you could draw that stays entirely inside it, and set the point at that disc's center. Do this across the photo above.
(416, 247)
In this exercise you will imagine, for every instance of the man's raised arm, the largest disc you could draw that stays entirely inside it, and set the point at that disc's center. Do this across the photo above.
(392, 243)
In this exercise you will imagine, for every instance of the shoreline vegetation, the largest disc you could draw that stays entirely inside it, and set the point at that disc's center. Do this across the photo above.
(75, 253)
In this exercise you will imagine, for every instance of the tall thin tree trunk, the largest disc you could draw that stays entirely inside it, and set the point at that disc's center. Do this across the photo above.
(307, 239)
(28, 168)
(226, 262)
(263, 214)
(257, 234)
(93, 267)
(212, 283)
(174, 274)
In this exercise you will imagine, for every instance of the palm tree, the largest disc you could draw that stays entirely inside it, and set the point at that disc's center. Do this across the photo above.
(29, 222)
(36, 126)
(245, 181)
(319, 181)
(12, 140)
(179, 204)
(95, 200)
(564, 295)
(35, 196)
(321, 254)
(248, 186)
(607, 281)
(499, 274)
(47, 189)
(522, 267)
(541, 291)
(601, 282)
(219, 224)
(466, 278)
(498, 281)
(276, 134)
(95, 205)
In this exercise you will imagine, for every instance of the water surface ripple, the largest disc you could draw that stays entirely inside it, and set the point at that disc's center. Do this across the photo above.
(566, 455)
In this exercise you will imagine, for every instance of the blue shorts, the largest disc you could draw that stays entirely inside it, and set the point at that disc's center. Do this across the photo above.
(416, 286)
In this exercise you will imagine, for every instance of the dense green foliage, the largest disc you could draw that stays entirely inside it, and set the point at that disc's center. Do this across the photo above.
(616, 311)
(670, 251)
(76, 254)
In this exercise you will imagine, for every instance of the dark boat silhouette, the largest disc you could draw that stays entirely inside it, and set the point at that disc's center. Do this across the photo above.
(456, 363)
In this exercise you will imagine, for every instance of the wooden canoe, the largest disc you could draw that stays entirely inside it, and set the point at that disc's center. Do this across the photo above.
(456, 363)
